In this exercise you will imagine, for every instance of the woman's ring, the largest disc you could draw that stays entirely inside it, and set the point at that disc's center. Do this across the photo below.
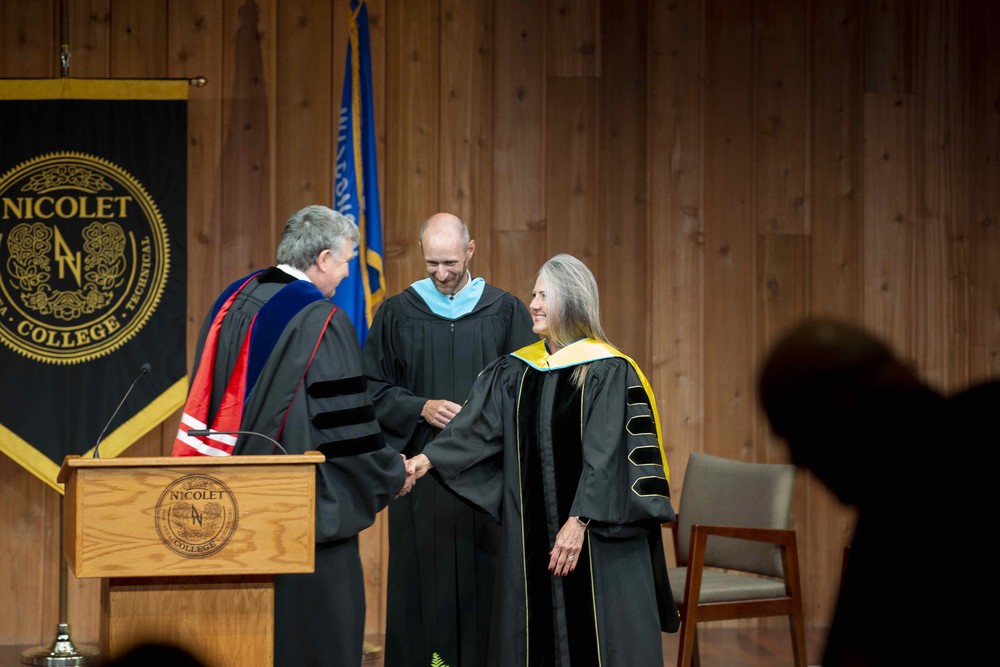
(570, 558)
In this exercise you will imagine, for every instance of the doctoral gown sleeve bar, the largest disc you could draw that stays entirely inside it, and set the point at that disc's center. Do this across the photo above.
(623, 487)
(361, 473)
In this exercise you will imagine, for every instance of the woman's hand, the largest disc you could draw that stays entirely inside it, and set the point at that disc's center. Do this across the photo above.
(411, 478)
(566, 551)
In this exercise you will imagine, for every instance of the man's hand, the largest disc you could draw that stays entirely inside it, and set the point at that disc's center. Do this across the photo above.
(438, 412)
(411, 478)
(419, 465)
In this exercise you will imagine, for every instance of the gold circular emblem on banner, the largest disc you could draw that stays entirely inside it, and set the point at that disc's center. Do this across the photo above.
(196, 516)
(84, 257)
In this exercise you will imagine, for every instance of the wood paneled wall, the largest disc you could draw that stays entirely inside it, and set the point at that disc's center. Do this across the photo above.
(725, 167)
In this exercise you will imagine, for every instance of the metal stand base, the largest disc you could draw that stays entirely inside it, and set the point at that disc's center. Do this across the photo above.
(61, 653)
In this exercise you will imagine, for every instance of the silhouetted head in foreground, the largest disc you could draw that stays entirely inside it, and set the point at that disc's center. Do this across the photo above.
(850, 411)
(156, 655)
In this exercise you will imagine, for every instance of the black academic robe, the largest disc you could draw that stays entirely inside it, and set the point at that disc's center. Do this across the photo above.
(441, 553)
(319, 617)
(533, 449)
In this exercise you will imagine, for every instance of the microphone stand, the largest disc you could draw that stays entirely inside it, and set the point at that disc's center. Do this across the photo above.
(61, 652)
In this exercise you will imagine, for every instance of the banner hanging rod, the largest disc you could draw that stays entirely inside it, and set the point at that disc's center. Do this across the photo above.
(197, 81)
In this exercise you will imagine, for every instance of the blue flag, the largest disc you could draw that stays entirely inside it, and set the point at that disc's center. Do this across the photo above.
(355, 191)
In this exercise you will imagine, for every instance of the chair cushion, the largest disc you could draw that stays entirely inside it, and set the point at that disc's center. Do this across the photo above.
(717, 586)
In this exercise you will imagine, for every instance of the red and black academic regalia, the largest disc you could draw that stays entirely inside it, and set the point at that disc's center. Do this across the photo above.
(442, 550)
(306, 388)
(533, 449)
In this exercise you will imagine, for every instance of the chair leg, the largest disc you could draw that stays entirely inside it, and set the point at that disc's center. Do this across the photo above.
(687, 649)
(798, 626)
(796, 617)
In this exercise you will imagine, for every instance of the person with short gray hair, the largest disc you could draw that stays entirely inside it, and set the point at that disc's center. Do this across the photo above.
(312, 230)
(277, 358)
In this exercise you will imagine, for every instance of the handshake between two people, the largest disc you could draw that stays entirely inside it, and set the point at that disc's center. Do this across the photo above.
(437, 413)
(416, 467)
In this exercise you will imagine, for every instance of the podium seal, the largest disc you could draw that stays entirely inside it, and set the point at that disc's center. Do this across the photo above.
(196, 516)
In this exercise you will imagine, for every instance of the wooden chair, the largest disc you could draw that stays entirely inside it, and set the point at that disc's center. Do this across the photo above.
(749, 568)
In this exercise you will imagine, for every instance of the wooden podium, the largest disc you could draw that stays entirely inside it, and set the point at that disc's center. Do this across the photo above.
(187, 547)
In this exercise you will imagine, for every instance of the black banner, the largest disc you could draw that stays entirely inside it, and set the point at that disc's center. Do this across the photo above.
(93, 190)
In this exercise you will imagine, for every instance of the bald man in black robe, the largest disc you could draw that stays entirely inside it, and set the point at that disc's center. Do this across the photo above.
(425, 348)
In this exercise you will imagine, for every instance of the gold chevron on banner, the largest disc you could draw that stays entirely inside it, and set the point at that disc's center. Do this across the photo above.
(116, 442)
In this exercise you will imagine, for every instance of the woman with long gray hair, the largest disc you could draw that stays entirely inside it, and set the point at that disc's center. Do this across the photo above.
(560, 443)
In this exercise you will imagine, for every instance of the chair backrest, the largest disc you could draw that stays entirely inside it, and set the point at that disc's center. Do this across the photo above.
(725, 492)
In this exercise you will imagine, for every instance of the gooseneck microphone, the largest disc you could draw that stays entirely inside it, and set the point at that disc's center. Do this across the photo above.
(199, 432)
(145, 368)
